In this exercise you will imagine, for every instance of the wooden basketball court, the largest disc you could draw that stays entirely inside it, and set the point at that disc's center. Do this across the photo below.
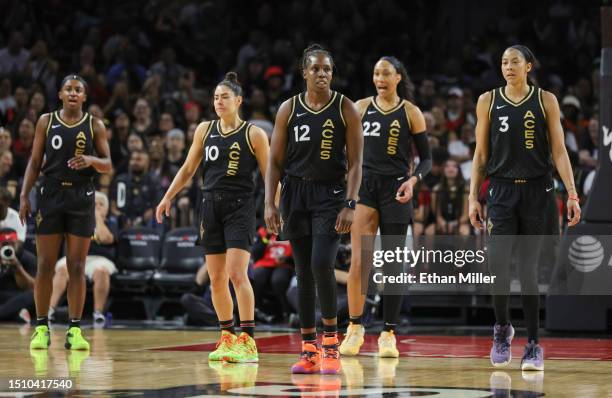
(160, 363)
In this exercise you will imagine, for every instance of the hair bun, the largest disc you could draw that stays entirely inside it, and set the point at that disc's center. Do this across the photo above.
(232, 77)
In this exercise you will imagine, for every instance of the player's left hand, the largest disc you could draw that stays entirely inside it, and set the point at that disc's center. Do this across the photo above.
(80, 162)
(345, 220)
(573, 212)
(405, 192)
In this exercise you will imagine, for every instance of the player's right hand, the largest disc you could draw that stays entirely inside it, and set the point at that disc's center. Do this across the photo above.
(163, 208)
(272, 217)
(475, 212)
(24, 209)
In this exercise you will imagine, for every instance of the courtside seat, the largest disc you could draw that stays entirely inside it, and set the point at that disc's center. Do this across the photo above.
(137, 258)
(181, 259)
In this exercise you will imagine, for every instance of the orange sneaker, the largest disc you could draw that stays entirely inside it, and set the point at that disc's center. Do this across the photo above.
(330, 365)
(310, 360)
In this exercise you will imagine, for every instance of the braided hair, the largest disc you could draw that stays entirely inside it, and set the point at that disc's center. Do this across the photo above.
(314, 50)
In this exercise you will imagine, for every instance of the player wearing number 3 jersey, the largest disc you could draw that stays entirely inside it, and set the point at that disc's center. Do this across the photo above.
(229, 149)
(518, 137)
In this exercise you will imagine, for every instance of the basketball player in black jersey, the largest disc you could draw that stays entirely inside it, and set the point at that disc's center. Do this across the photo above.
(518, 137)
(315, 133)
(390, 126)
(67, 139)
(229, 149)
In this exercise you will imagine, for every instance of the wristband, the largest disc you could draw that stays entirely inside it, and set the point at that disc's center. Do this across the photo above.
(573, 197)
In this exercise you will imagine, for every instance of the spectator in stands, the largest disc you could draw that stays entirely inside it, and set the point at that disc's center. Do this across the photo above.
(198, 301)
(459, 143)
(23, 144)
(192, 113)
(9, 218)
(143, 120)
(169, 70)
(13, 57)
(570, 117)
(135, 142)
(37, 106)
(421, 203)
(8, 177)
(44, 68)
(121, 131)
(8, 104)
(166, 123)
(21, 100)
(260, 114)
(135, 193)
(439, 129)
(427, 94)
(272, 271)
(175, 150)
(589, 145)
(119, 100)
(16, 282)
(99, 265)
(455, 112)
(450, 202)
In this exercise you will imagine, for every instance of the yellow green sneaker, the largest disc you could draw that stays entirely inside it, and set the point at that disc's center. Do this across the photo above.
(243, 351)
(224, 345)
(41, 339)
(75, 340)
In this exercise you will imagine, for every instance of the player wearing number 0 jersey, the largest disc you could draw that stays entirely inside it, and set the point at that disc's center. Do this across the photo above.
(391, 124)
(317, 136)
(66, 139)
(518, 133)
(229, 149)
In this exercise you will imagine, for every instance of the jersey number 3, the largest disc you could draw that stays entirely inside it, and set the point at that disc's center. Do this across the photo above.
(504, 124)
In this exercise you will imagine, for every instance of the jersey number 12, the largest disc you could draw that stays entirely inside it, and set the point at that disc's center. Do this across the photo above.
(304, 130)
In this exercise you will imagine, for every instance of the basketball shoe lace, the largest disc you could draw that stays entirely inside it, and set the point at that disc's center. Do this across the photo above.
(225, 341)
(501, 342)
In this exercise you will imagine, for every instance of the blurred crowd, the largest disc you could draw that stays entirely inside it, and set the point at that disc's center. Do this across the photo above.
(151, 67)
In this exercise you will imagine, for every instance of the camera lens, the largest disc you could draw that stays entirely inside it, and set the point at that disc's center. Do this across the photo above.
(7, 253)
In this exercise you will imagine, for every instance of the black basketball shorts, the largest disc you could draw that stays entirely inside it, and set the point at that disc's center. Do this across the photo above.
(310, 208)
(65, 208)
(378, 192)
(227, 221)
(522, 207)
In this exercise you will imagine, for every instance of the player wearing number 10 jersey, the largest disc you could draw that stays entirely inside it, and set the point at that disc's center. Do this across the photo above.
(229, 150)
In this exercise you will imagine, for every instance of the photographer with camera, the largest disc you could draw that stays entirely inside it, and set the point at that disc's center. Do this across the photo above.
(16, 282)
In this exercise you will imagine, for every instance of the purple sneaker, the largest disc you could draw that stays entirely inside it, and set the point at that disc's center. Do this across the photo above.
(501, 355)
(533, 358)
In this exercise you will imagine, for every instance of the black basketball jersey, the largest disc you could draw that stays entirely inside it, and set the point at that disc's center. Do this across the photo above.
(518, 136)
(65, 141)
(317, 140)
(387, 140)
(229, 159)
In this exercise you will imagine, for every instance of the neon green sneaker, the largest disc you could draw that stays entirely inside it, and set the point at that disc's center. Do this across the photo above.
(41, 339)
(75, 340)
(224, 345)
(244, 350)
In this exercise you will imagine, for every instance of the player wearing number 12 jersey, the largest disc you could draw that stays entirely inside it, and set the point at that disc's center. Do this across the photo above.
(315, 135)
(229, 149)
(391, 124)
(518, 137)
(66, 139)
